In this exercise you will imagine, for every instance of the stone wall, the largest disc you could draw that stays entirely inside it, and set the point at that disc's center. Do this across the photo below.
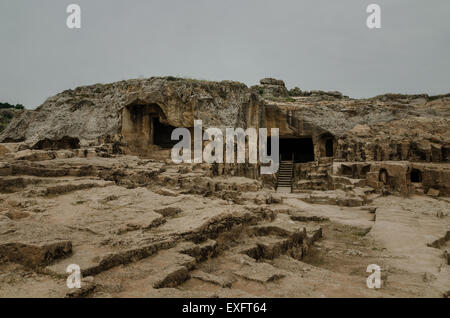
(395, 177)
(390, 128)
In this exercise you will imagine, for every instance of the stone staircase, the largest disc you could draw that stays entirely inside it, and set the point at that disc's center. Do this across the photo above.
(284, 182)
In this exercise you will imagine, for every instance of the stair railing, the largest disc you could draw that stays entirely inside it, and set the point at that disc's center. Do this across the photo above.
(292, 170)
(278, 174)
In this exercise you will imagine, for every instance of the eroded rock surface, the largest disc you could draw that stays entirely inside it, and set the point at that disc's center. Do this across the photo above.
(149, 228)
(87, 179)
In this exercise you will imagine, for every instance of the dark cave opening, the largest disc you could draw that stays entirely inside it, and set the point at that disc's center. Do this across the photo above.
(297, 149)
(383, 176)
(162, 134)
(55, 144)
(329, 147)
(445, 153)
(416, 175)
(364, 171)
(347, 170)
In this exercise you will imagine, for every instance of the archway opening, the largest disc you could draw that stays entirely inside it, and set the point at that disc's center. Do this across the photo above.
(364, 171)
(143, 125)
(297, 149)
(326, 145)
(416, 175)
(329, 148)
(383, 176)
(346, 170)
(162, 134)
(445, 153)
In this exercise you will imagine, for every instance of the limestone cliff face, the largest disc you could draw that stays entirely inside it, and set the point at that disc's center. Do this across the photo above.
(387, 127)
(95, 112)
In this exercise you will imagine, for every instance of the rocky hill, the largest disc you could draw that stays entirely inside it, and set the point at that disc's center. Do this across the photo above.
(386, 127)
(140, 225)
(380, 128)
(94, 112)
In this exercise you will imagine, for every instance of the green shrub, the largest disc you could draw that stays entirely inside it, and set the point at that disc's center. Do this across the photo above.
(8, 105)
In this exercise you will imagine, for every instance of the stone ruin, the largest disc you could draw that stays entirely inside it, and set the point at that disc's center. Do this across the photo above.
(396, 143)
(87, 179)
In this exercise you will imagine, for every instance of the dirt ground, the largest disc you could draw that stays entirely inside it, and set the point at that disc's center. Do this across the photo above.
(145, 228)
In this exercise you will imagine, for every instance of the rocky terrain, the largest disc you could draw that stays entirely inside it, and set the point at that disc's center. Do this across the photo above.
(6, 116)
(148, 228)
(73, 191)
(386, 127)
(93, 113)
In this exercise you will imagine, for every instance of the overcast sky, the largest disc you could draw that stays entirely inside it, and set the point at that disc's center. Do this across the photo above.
(313, 44)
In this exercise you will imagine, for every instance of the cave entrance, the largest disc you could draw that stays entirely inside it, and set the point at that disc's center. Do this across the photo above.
(364, 171)
(297, 149)
(162, 134)
(416, 175)
(326, 145)
(143, 125)
(445, 153)
(347, 170)
(383, 176)
(329, 148)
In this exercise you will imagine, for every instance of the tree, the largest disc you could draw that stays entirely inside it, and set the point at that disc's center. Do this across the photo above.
(8, 105)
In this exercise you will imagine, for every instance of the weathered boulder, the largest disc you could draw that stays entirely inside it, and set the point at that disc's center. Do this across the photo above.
(271, 87)
(433, 192)
(271, 81)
